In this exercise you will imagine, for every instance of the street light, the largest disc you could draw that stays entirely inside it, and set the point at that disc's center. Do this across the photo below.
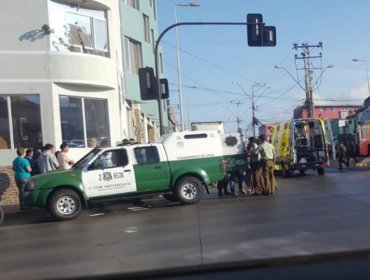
(308, 90)
(193, 5)
(367, 72)
(294, 79)
(187, 104)
(322, 73)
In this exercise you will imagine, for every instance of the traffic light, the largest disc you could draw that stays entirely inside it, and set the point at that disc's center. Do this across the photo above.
(260, 35)
(148, 84)
(163, 85)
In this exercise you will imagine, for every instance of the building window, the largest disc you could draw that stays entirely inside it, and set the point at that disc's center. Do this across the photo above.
(133, 3)
(161, 62)
(20, 124)
(146, 28)
(133, 57)
(84, 122)
(154, 10)
(79, 29)
(153, 40)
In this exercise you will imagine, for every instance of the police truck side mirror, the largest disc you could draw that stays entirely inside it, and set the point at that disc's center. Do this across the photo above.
(260, 35)
(148, 84)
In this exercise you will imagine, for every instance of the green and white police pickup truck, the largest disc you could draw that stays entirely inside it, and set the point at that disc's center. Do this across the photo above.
(179, 166)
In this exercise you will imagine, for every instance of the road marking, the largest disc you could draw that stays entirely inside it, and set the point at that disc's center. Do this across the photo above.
(130, 229)
(137, 208)
(97, 214)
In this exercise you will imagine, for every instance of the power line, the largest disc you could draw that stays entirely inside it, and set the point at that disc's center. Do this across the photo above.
(207, 62)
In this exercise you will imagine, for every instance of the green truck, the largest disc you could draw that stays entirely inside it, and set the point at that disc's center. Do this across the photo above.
(180, 166)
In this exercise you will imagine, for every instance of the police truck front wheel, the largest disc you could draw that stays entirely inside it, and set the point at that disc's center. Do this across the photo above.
(188, 190)
(321, 170)
(64, 204)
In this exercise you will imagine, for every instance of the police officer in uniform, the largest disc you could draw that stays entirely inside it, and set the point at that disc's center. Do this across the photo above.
(268, 156)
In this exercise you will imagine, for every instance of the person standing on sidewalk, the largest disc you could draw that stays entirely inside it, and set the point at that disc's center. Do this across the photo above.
(65, 163)
(351, 151)
(29, 156)
(48, 161)
(22, 173)
(268, 157)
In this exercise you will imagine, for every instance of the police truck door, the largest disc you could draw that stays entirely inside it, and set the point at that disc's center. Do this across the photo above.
(109, 174)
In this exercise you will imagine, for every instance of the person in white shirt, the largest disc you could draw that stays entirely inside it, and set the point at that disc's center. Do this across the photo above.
(65, 163)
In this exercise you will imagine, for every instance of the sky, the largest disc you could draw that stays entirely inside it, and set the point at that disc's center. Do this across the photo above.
(219, 69)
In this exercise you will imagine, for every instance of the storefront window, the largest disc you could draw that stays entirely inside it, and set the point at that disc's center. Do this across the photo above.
(26, 121)
(4, 124)
(22, 123)
(96, 123)
(84, 122)
(72, 121)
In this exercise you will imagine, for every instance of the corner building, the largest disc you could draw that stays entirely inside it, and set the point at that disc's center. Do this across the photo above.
(67, 75)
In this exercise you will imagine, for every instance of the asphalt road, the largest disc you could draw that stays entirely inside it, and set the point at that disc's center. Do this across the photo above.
(309, 215)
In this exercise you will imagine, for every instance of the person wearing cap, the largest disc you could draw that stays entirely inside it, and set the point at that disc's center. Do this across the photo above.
(268, 157)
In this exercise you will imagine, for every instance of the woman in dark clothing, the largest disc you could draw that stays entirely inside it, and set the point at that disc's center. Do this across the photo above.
(35, 163)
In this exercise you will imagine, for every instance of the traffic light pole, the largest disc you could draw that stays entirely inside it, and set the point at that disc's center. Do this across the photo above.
(161, 128)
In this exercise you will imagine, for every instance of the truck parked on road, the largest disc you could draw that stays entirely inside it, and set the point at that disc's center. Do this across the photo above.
(180, 165)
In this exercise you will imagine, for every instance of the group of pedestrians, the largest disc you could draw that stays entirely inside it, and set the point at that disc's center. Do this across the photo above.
(35, 161)
(261, 156)
(344, 152)
(259, 177)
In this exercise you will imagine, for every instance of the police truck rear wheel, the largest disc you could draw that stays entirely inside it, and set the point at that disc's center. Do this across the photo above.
(64, 204)
(170, 197)
(321, 171)
(188, 190)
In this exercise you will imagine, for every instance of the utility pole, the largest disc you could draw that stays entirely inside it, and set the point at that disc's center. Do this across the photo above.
(253, 115)
(254, 120)
(252, 99)
(308, 71)
(238, 119)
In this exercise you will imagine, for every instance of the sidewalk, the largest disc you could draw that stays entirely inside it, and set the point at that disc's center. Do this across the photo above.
(10, 209)
(364, 162)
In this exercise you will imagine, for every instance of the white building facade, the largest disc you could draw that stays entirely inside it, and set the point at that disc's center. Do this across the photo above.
(61, 76)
